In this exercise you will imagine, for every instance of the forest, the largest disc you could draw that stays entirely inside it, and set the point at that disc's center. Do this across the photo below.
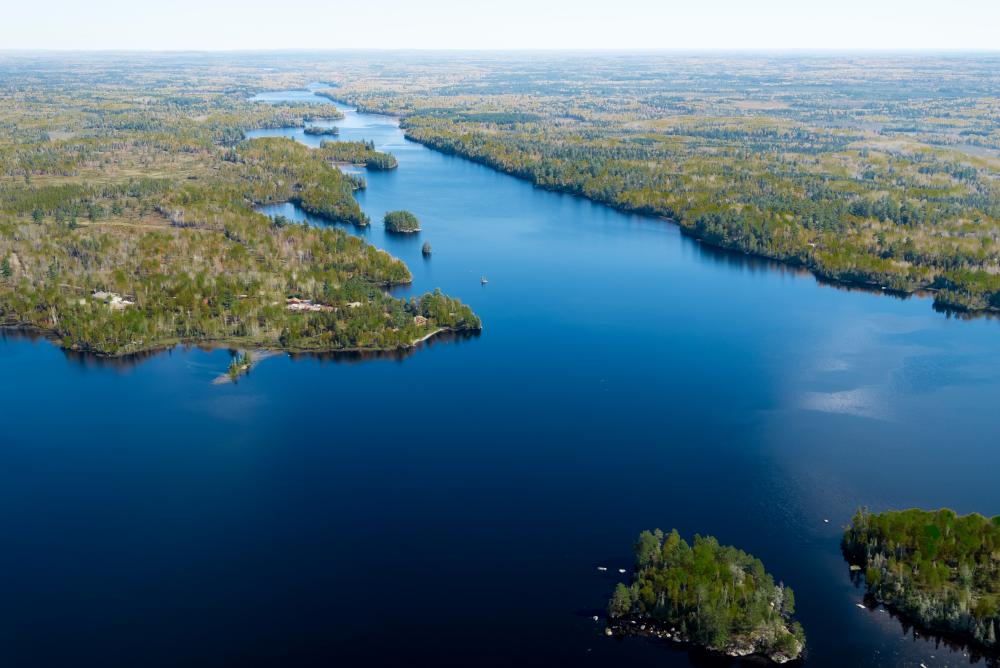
(128, 223)
(884, 174)
(715, 596)
(872, 171)
(938, 569)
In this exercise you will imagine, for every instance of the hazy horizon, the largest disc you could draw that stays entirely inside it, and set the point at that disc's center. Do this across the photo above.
(517, 25)
(518, 50)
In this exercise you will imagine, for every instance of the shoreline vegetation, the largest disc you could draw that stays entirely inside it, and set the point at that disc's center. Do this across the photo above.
(134, 229)
(936, 569)
(875, 178)
(714, 596)
(262, 348)
(877, 276)
(240, 365)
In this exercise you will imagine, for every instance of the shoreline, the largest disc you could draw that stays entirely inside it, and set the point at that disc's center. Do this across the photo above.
(648, 628)
(258, 356)
(949, 636)
(921, 292)
(429, 335)
(52, 337)
(875, 287)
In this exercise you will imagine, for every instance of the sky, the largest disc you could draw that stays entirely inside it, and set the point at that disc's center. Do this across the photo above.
(501, 24)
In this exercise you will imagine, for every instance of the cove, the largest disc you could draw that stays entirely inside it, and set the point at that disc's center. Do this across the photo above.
(451, 507)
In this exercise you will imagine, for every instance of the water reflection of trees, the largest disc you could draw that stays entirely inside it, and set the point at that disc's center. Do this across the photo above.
(949, 642)
(753, 264)
(359, 356)
(976, 654)
(94, 361)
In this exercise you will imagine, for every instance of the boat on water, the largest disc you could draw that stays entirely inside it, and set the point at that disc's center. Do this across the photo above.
(483, 281)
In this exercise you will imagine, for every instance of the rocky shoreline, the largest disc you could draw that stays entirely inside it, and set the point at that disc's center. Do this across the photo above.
(742, 647)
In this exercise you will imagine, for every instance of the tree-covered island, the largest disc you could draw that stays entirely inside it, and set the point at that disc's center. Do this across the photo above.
(937, 569)
(358, 153)
(715, 596)
(319, 130)
(402, 222)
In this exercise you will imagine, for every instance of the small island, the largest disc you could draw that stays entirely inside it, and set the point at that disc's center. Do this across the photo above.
(401, 222)
(358, 153)
(319, 130)
(426, 249)
(711, 595)
(240, 364)
(935, 568)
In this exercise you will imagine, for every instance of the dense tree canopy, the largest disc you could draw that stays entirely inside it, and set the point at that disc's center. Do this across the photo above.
(358, 153)
(939, 569)
(713, 595)
(128, 223)
(318, 130)
(401, 221)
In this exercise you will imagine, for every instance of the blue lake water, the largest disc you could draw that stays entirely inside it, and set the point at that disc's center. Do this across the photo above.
(450, 507)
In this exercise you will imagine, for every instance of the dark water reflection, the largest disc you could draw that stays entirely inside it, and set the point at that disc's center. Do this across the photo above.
(357, 356)
(451, 508)
(85, 360)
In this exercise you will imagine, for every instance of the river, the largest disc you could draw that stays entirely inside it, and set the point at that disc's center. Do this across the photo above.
(450, 507)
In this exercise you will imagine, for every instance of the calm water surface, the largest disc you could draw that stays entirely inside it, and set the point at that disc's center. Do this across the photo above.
(450, 507)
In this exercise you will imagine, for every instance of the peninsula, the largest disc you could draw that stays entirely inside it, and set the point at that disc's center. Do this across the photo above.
(132, 227)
